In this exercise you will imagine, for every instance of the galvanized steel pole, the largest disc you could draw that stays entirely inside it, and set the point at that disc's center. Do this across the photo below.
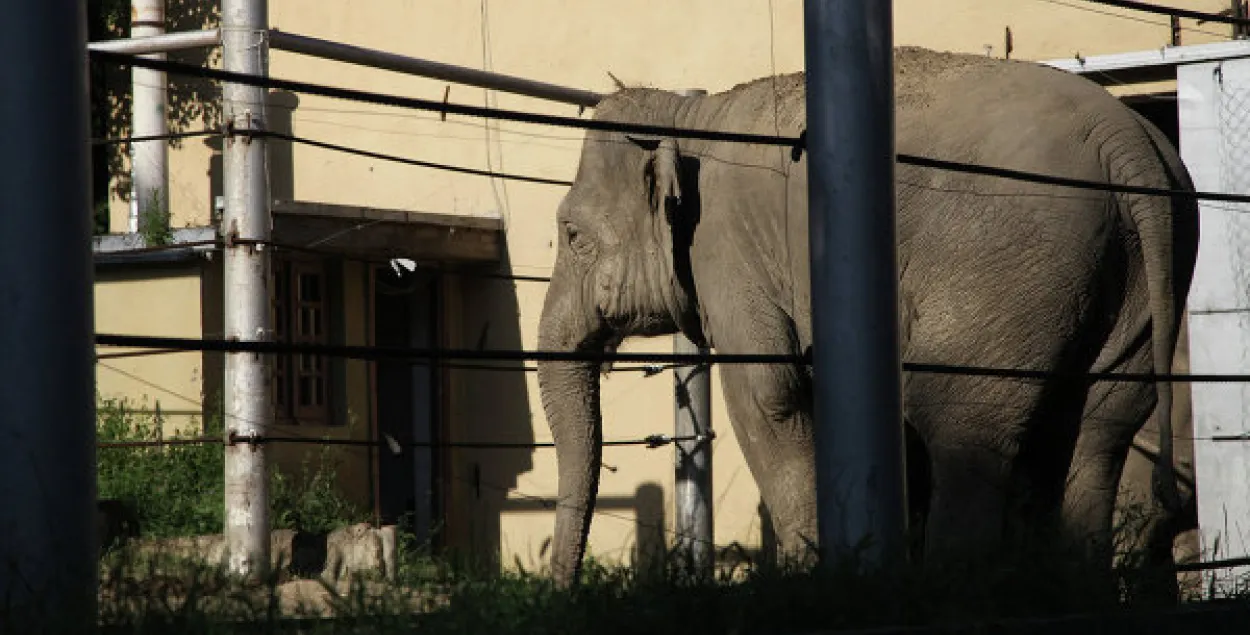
(48, 552)
(693, 479)
(248, 400)
(857, 370)
(148, 164)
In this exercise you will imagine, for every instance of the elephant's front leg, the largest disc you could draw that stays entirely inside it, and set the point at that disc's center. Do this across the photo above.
(769, 407)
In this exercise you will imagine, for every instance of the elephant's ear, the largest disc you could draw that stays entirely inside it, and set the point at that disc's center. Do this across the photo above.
(661, 172)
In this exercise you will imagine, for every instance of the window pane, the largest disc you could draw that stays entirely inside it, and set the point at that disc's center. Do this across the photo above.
(319, 395)
(309, 287)
(305, 390)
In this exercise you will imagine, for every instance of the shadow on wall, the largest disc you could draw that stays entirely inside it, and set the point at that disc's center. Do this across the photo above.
(649, 519)
(193, 102)
(486, 406)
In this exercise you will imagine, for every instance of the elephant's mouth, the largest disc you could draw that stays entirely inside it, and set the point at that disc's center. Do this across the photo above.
(613, 342)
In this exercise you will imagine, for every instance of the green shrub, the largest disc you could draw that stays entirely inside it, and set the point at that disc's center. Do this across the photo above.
(312, 503)
(175, 490)
(178, 490)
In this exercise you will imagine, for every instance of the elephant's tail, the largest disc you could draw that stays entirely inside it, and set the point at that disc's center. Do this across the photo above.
(1168, 229)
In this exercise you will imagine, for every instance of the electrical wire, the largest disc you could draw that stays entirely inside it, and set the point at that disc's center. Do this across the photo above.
(450, 108)
(414, 162)
(207, 132)
(429, 354)
(796, 144)
(1133, 18)
(1174, 12)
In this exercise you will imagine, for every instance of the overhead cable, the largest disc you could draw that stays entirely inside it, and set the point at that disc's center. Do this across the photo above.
(433, 354)
(797, 144)
(1146, 7)
(415, 162)
(651, 441)
(401, 353)
(206, 132)
(449, 108)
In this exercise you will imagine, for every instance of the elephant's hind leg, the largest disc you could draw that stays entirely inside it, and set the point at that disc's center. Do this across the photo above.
(973, 429)
(769, 406)
(1113, 413)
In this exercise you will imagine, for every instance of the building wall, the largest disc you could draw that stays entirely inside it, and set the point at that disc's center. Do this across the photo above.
(499, 498)
(153, 301)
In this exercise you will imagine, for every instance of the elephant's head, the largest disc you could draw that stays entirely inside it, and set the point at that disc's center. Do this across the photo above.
(623, 231)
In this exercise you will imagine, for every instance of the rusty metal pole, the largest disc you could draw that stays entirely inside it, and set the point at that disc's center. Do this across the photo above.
(48, 564)
(246, 273)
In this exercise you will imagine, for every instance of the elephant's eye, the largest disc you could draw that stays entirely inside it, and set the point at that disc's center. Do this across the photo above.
(577, 239)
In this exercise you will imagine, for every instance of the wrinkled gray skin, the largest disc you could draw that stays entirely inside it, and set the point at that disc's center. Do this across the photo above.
(660, 235)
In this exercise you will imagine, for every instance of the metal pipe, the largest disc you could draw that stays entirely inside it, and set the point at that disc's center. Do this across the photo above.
(160, 43)
(246, 271)
(693, 478)
(857, 373)
(692, 496)
(434, 70)
(149, 193)
(47, 382)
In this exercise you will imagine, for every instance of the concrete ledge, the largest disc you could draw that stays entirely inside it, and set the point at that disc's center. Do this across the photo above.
(382, 233)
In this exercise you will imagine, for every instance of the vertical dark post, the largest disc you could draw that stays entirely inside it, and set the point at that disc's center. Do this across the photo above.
(857, 371)
(47, 381)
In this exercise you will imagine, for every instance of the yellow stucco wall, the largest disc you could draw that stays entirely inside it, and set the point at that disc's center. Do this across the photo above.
(158, 303)
(710, 44)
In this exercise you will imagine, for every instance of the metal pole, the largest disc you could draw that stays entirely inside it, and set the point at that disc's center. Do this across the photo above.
(693, 479)
(246, 273)
(435, 70)
(148, 164)
(857, 370)
(160, 43)
(47, 383)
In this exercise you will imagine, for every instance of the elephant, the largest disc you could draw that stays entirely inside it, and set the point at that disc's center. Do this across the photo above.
(660, 234)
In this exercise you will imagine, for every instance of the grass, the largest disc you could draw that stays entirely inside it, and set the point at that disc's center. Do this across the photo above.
(151, 596)
(447, 592)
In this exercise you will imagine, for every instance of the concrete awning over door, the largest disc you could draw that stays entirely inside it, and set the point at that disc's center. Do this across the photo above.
(377, 233)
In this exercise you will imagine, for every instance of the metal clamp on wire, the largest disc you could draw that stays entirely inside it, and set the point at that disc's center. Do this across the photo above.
(796, 151)
(657, 440)
(251, 439)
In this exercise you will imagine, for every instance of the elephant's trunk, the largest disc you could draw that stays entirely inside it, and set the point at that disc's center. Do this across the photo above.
(570, 395)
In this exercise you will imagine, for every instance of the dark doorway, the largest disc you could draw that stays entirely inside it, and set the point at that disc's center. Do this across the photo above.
(405, 310)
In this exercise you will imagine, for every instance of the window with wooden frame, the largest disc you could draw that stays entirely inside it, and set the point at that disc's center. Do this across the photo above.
(300, 315)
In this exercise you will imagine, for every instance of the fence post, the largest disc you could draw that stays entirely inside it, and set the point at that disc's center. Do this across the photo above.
(854, 277)
(149, 165)
(692, 388)
(246, 272)
(47, 382)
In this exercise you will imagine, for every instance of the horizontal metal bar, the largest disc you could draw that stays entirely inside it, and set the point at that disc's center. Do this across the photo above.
(160, 43)
(435, 70)
(1167, 58)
